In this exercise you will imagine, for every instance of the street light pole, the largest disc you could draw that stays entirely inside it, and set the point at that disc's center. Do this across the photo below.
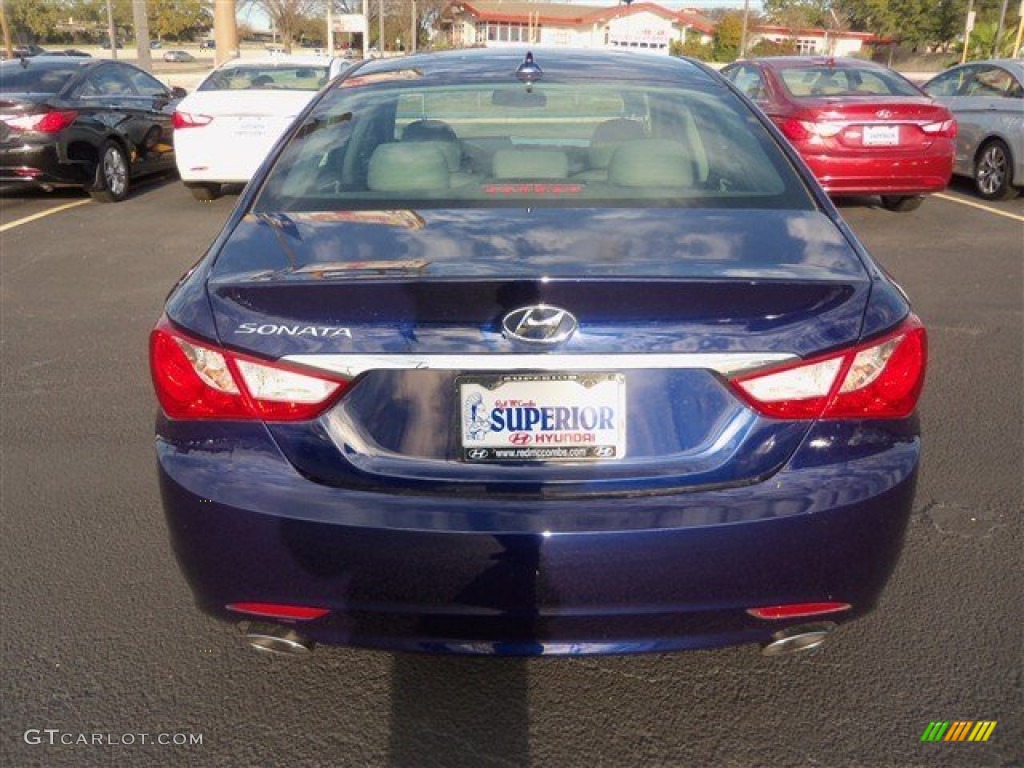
(968, 26)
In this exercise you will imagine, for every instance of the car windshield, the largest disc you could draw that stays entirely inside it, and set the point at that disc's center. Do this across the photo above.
(271, 77)
(844, 81)
(387, 138)
(34, 79)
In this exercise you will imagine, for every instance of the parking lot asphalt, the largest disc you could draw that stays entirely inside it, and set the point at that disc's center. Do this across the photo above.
(101, 641)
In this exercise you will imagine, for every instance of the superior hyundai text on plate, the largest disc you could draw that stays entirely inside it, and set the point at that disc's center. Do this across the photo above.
(536, 353)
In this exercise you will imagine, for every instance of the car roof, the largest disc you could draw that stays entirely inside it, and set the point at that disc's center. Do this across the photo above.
(52, 62)
(839, 62)
(491, 64)
(284, 60)
(1014, 65)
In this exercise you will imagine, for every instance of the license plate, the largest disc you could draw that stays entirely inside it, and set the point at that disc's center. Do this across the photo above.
(881, 135)
(536, 417)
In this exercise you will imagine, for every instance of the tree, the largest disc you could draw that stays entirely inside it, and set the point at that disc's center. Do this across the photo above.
(798, 13)
(178, 19)
(288, 16)
(727, 36)
(983, 40)
(32, 20)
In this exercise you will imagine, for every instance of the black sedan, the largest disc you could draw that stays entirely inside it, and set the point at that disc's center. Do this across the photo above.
(66, 121)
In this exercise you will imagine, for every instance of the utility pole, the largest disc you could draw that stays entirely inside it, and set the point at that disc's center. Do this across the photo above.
(225, 35)
(366, 28)
(414, 30)
(380, 28)
(8, 48)
(330, 28)
(999, 30)
(111, 30)
(140, 19)
(743, 32)
(1017, 53)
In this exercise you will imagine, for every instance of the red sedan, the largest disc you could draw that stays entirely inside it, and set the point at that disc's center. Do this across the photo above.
(862, 128)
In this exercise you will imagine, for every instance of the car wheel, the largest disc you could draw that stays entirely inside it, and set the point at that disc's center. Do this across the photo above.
(993, 171)
(112, 177)
(204, 193)
(902, 203)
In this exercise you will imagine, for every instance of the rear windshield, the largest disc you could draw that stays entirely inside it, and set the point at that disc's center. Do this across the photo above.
(268, 78)
(388, 137)
(17, 79)
(844, 81)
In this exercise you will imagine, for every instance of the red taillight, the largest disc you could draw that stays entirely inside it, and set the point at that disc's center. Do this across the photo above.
(880, 379)
(794, 130)
(194, 379)
(189, 120)
(54, 121)
(279, 611)
(808, 130)
(944, 128)
(797, 610)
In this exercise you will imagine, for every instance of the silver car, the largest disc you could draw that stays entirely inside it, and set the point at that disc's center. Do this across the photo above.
(987, 99)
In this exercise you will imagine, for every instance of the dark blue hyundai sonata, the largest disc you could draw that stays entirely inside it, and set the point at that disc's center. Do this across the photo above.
(536, 353)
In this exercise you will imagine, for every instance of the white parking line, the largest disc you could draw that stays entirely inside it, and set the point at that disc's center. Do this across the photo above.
(979, 206)
(41, 214)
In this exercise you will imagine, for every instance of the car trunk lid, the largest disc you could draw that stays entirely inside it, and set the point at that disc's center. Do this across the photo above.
(667, 303)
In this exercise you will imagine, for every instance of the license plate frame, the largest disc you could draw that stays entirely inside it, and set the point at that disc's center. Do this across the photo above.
(543, 417)
(881, 135)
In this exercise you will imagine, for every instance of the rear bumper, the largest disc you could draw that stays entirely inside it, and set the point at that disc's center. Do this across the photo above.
(204, 158)
(40, 164)
(513, 577)
(915, 175)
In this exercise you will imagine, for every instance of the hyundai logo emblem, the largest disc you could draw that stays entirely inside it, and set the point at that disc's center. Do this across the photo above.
(539, 324)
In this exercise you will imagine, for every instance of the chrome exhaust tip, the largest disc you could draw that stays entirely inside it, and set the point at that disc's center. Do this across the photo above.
(281, 641)
(805, 637)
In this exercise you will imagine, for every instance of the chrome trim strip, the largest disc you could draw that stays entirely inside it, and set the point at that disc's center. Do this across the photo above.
(725, 363)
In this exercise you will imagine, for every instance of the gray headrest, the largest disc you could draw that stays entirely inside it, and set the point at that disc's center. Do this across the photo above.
(651, 163)
(407, 167)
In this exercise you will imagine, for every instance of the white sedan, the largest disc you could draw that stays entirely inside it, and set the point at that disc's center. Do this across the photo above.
(225, 129)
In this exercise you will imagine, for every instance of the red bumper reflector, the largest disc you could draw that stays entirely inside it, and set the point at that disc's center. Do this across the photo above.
(279, 611)
(796, 610)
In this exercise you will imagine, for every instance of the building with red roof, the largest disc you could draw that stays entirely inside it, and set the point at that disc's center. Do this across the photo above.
(641, 26)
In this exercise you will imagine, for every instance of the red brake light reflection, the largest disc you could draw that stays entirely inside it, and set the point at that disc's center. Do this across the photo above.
(797, 610)
(279, 611)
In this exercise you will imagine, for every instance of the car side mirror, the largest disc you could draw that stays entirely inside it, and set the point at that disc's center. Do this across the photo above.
(177, 92)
